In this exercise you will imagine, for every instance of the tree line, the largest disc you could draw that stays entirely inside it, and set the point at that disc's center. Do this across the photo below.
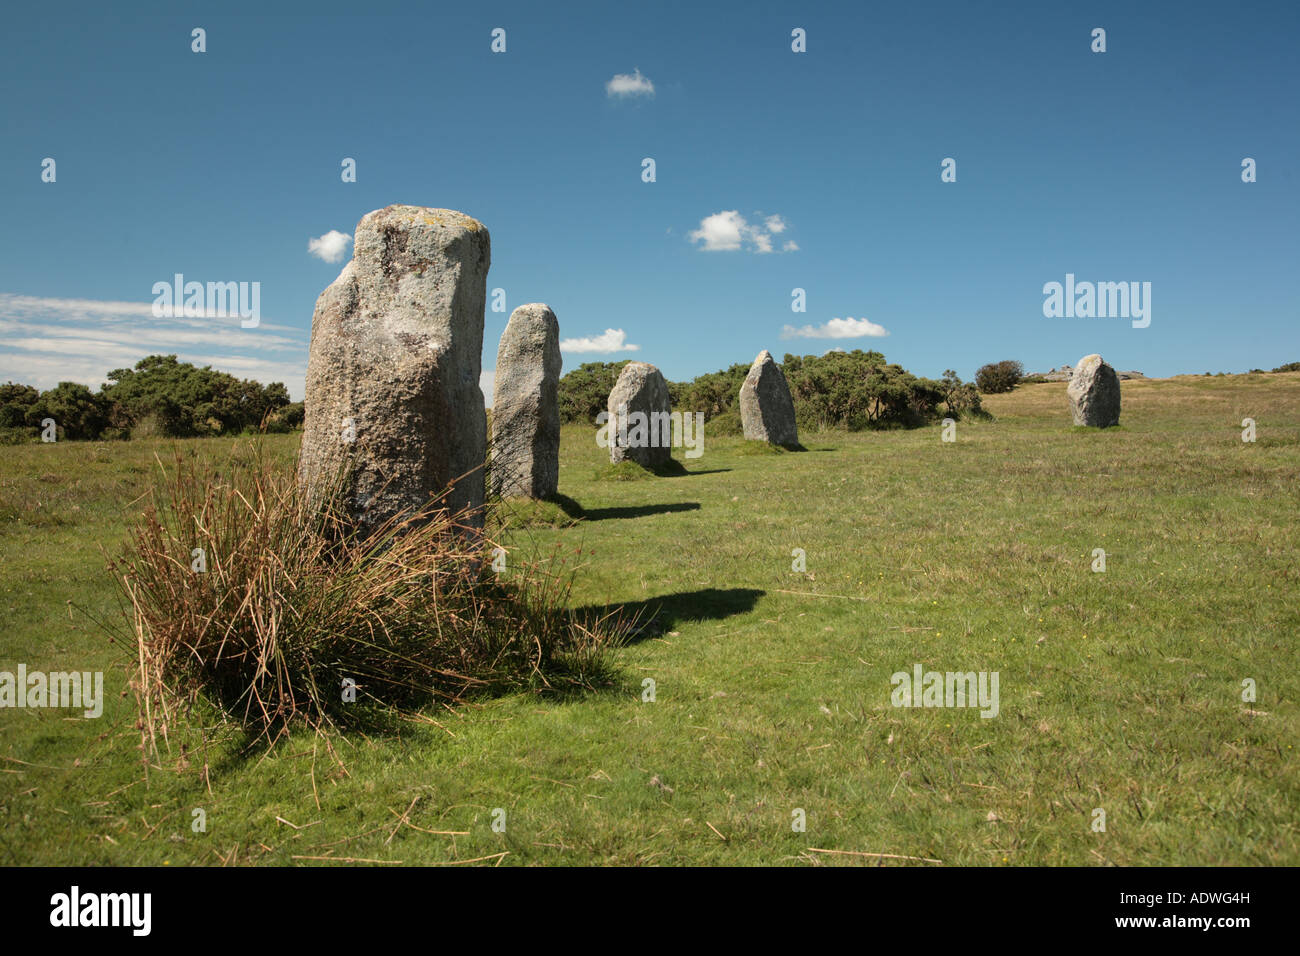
(160, 396)
(850, 390)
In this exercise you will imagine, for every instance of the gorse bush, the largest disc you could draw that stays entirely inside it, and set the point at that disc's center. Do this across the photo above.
(999, 376)
(856, 390)
(584, 392)
(160, 396)
(715, 393)
(959, 398)
(78, 412)
(239, 593)
(187, 401)
(849, 390)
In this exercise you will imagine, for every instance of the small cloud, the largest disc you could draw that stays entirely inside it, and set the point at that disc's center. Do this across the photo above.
(611, 340)
(629, 84)
(720, 232)
(330, 246)
(487, 385)
(849, 328)
(790, 246)
(728, 231)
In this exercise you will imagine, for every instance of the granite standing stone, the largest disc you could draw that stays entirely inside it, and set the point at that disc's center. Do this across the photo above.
(640, 394)
(526, 406)
(393, 371)
(766, 409)
(1094, 393)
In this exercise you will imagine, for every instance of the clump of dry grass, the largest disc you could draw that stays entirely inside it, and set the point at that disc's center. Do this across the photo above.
(238, 591)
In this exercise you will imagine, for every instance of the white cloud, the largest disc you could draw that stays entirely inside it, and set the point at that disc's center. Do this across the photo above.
(629, 84)
(611, 340)
(720, 232)
(487, 385)
(728, 231)
(330, 246)
(790, 246)
(849, 328)
(44, 341)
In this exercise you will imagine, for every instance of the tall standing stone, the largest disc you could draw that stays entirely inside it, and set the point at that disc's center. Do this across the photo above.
(526, 406)
(1094, 393)
(766, 409)
(641, 397)
(393, 371)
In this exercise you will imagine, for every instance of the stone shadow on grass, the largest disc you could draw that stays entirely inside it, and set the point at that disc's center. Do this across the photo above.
(628, 470)
(568, 505)
(752, 447)
(639, 511)
(655, 616)
(673, 468)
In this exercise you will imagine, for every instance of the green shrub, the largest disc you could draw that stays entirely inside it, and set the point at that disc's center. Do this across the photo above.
(77, 411)
(999, 376)
(959, 398)
(161, 396)
(727, 423)
(856, 390)
(17, 436)
(16, 402)
(584, 392)
(716, 394)
(184, 400)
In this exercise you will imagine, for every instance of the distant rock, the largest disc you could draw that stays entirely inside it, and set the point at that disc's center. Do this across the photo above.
(1094, 393)
(393, 369)
(1066, 372)
(641, 396)
(766, 409)
(526, 406)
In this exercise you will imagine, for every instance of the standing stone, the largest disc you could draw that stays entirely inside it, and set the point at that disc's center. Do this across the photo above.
(393, 370)
(766, 409)
(1094, 393)
(640, 395)
(526, 406)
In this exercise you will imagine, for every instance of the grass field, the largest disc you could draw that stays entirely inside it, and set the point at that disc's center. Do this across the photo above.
(1119, 690)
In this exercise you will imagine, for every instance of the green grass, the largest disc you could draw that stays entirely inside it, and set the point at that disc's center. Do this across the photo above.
(1119, 690)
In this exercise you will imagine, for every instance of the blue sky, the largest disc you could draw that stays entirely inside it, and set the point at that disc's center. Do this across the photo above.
(222, 166)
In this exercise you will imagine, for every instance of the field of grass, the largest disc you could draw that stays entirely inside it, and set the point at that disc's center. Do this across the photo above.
(1119, 690)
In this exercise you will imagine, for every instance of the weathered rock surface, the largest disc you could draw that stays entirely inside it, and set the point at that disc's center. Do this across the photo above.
(526, 406)
(640, 394)
(393, 371)
(766, 409)
(1094, 393)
